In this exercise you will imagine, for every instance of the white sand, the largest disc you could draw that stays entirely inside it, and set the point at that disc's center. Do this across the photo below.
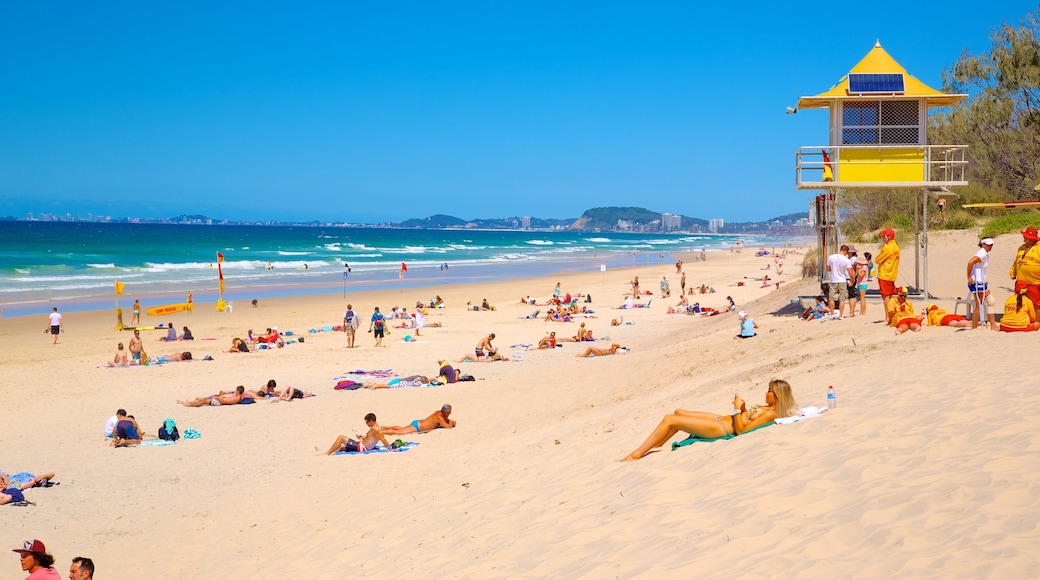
(927, 468)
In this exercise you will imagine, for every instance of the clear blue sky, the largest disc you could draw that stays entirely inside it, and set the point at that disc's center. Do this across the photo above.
(378, 111)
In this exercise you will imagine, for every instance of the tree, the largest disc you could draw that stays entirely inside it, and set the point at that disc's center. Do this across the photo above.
(1000, 121)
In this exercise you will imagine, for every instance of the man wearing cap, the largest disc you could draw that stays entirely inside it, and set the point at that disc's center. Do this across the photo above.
(1025, 270)
(901, 315)
(839, 272)
(36, 561)
(977, 267)
(887, 262)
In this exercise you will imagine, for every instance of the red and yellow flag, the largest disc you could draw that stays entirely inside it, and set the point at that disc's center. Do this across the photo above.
(828, 171)
(220, 271)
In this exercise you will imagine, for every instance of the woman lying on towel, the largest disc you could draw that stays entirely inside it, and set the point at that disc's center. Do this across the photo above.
(779, 403)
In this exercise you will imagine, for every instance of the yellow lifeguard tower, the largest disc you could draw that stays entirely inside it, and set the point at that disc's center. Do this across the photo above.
(878, 140)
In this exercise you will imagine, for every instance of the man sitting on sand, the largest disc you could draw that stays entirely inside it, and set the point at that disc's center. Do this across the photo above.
(364, 443)
(221, 398)
(614, 348)
(438, 420)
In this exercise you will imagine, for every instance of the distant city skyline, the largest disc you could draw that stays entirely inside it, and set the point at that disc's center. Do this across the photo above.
(375, 112)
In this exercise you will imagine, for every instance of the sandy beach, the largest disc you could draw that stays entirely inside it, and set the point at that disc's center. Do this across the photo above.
(926, 468)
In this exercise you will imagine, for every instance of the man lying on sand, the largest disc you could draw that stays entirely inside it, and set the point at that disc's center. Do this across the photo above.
(438, 420)
(363, 443)
(221, 398)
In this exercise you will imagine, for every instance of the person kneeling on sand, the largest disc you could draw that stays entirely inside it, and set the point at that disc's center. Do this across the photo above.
(438, 420)
(364, 442)
(779, 403)
(126, 432)
(222, 398)
(614, 348)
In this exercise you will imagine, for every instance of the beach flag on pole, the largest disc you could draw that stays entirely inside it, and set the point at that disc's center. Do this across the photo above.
(119, 287)
(828, 171)
(220, 272)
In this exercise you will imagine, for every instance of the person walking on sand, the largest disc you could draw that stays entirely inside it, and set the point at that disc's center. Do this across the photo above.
(682, 282)
(888, 267)
(55, 326)
(136, 319)
(351, 321)
(977, 285)
(438, 420)
(365, 442)
(377, 326)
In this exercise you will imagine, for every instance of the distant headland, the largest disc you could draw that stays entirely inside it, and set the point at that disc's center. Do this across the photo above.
(600, 219)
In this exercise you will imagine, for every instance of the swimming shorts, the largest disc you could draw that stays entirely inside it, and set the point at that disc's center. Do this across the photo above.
(861, 287)
(378, 333)
(125, 430)
(479, 352)
(215, 402)
(136, 355)
(978, 288)
(15, 493)
(297, 394)
(946, 320)
(416, 425)
(55, 329)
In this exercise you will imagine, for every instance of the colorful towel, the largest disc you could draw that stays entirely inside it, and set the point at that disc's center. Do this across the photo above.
(379, 449)
(379, 374)
(694, 439)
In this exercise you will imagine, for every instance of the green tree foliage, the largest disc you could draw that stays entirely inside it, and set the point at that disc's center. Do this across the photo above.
(1000, 121)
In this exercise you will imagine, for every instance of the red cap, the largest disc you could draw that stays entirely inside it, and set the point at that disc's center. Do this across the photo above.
(889, 232)
(32, 546)
(1030, 234)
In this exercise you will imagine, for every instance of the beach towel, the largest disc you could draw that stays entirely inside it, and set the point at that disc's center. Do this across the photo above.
(803, 413)
(157, 443)
(379, 374)
(347, 385)
(379, 449)
(694, 439)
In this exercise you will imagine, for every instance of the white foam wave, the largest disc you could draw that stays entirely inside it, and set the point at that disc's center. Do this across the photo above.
(284, 253)
(102, 266)
(600, 240)
(539, 242)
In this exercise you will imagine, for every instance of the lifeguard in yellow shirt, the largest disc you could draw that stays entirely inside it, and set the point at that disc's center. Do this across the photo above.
(901, 315)
(1025, 270)
(941, 317)
(1019, 314)
(887, 262)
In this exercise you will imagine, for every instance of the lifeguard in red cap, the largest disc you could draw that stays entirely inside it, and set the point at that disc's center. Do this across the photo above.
(1025, 270)
(887, 262)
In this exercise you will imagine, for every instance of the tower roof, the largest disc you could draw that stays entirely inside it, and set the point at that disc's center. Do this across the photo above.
(878, 61)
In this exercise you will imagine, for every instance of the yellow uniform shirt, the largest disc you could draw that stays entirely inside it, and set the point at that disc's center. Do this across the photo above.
(1026, 267)
(935, 316)
(1021, 318)
(887, 262)
(900, 312)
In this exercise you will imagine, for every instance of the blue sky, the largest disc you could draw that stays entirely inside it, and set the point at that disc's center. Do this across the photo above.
(383, 111)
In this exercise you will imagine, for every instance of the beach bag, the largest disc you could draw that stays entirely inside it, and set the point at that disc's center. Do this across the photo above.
(168, 431)
(467, 378)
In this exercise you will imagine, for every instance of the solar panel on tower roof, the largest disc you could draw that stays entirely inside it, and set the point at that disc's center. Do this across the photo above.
(876, 83)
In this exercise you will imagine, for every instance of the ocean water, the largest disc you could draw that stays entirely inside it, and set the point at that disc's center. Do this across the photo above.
(75, 265)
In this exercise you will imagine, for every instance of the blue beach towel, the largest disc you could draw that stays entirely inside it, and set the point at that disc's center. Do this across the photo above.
(379, 449)
(694, 439)
(157, 443)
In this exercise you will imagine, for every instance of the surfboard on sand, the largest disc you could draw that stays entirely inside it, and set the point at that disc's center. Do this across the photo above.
(143, 328)
(168, 309)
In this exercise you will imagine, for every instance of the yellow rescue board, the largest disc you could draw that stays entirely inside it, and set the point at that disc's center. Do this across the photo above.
(168, 309)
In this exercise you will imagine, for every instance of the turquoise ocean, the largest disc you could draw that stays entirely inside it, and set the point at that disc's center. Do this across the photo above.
(74, 265)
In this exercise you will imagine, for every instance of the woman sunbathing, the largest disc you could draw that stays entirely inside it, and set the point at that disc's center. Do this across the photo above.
(548, 341)
(602, 351)
(582, 336)
(779, 403)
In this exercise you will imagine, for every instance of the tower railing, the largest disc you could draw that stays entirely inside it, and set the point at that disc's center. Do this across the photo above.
(936, 165)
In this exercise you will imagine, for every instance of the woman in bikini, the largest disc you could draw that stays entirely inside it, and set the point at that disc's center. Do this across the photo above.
(779, 403)
(601, 351)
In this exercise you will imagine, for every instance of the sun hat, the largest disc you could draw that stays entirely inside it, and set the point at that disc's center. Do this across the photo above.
(852, 248)
(741, 314)
(861, 260)
(1030, 234)
(888, 232)
(32, 547)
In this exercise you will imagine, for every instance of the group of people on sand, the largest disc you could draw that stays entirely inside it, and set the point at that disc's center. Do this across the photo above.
(241, 395)
(13, 486)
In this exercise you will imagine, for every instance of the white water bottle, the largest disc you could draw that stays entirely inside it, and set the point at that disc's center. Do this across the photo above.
(832, 401)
